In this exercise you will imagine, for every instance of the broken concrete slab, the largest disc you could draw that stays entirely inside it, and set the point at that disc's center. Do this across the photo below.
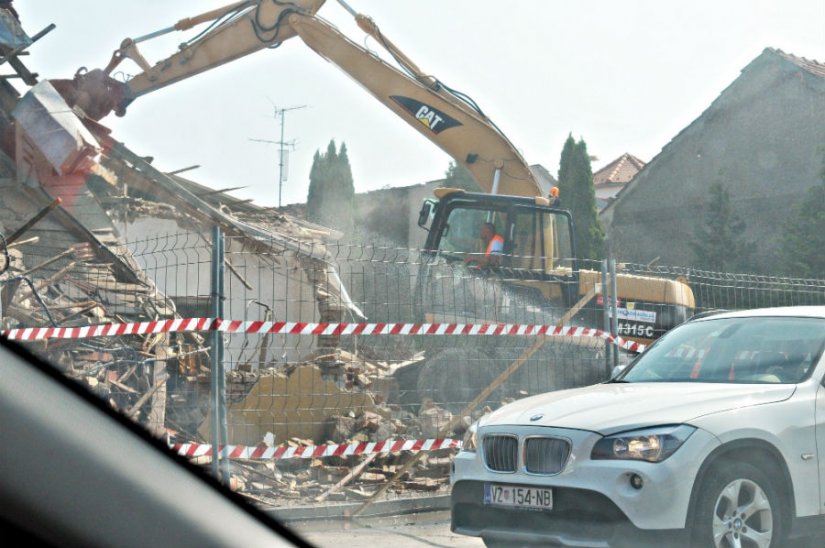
(294, 405)
(50, 127)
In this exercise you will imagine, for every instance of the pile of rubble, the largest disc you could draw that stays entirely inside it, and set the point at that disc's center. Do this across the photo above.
(278, 483)
(69, 195)
(70, 283)
(274, 484)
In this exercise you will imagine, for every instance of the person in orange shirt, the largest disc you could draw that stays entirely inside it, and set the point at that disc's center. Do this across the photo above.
(554, 198)
(493, 245)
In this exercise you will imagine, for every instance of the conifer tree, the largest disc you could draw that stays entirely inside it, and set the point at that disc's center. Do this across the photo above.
(315, 191)
(331, 196)
(717, 243)
(578, 195)
(804, 234)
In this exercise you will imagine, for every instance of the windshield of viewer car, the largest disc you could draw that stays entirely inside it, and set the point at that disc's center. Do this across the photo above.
(762, 350)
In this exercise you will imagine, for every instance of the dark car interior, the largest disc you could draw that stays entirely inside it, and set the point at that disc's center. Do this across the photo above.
(75, 473)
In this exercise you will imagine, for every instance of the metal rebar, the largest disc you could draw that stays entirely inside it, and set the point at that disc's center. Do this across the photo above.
(348, 8)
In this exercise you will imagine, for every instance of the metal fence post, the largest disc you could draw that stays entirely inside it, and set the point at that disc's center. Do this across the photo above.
(218, 384)
(222, 416)
(605, 291)
(614, 306)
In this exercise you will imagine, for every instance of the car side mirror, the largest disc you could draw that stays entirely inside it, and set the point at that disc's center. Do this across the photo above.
(617, 371)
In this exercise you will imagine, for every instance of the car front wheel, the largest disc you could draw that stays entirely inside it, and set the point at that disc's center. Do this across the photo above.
(738, 507)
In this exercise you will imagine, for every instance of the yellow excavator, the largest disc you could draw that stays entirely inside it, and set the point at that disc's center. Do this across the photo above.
(538, 268)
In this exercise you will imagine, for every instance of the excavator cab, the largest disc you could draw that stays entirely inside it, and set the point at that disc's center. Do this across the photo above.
(535, 238)
(536, 247)
(460, 233)
(537, 271)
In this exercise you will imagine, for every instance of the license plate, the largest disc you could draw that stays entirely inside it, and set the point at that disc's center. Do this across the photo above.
(518, 496)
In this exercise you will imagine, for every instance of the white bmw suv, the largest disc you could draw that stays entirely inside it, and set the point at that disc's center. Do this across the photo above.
(715, 436)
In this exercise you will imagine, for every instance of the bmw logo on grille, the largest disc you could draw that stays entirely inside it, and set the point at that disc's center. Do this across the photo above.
(535, 418)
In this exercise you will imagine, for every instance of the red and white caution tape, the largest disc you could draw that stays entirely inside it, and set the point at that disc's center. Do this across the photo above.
(307, 328)
(111, 329)
(264, 452)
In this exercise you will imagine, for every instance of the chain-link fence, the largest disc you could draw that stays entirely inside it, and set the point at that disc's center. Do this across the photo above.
(739, 291)
(340, 357)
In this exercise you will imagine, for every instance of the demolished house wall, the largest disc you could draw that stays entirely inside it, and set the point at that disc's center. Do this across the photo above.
(275, 279)
(84, 273)
(279, 391)
(61, 274)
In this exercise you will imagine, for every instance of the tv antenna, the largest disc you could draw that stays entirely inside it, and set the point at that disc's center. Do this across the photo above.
(283, 165)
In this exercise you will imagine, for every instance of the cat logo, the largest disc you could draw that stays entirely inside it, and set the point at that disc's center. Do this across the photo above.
(430, 117)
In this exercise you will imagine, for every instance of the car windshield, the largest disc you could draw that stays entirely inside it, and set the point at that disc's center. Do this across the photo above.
(224, 240)
(755, 350)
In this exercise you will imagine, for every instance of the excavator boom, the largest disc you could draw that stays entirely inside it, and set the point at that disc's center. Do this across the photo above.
(254, 26)
(236, 30)
(453, 124)
(448, 119)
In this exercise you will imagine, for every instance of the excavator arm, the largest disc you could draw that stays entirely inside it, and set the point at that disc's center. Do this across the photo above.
(235, 30)
(452, 122)
(447, 118)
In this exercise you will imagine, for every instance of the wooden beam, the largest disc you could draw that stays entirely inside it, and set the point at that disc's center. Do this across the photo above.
(470, 407)
(221, 191)
(33, 221)
(348, 478)
(183, 169)
(157, 415)
(135, 409)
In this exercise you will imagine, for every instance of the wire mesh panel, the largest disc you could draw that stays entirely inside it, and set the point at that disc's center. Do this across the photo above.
(341, 358)
(70, 282)
(179, 266)
(739, 291)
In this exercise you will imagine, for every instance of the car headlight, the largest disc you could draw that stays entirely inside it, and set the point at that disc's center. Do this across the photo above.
(470, 441)
(649, 444)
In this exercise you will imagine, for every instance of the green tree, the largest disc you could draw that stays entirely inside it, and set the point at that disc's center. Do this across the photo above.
(331, 196)
(717, 243)
(315, 188)
(457, 176)
(804, 234)
(345, 189)
(578, 195)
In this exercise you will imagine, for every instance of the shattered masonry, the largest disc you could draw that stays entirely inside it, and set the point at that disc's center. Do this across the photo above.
(73, 202)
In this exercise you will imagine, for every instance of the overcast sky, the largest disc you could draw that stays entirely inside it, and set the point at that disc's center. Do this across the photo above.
(626, 76)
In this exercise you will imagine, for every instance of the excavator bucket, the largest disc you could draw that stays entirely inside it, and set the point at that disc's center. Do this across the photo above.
(94, 92)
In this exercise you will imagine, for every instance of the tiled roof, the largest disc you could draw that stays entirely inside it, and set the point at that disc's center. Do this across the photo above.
(814, 67)
(620, 170)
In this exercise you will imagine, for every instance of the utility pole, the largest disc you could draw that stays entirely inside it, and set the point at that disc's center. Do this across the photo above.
(281, 112)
